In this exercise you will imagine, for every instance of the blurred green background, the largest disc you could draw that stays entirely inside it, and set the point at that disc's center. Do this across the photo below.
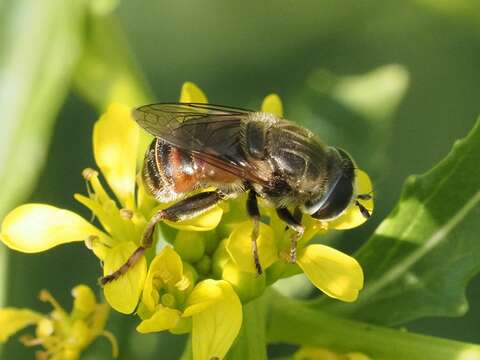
(393, 82)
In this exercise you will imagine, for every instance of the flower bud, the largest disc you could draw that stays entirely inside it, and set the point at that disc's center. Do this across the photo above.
(211, 241)
(239, 246)
(247, 285)
(204, 265)
(189, 245)
(220, 259)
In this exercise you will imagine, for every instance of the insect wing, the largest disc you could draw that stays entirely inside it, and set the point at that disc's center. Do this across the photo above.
(212, 132)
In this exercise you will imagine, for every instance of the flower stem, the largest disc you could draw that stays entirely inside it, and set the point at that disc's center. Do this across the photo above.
(251, 341)
(292, 322)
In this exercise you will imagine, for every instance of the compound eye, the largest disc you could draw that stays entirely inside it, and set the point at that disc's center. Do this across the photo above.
(338, 200)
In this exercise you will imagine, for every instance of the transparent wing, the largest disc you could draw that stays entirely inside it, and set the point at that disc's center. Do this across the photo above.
(212, 132)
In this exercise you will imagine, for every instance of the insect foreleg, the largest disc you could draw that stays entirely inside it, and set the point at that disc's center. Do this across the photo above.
(184, 209)
(296, 226)
(252, 209)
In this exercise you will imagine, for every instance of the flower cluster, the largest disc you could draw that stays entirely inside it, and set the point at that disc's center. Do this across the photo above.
(201, 270)
(63, 335)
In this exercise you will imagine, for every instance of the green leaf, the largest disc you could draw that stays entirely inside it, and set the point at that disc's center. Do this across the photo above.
(41, 42)
(251, 341)
(292, 322)
(420, 259)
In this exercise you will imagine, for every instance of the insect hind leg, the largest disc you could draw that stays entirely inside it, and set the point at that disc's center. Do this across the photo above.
(184, 209)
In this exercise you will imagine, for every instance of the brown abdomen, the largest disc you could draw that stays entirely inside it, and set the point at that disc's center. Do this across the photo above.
(170, 172)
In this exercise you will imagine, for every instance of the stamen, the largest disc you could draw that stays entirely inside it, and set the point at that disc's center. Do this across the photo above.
(126, 214)
(45, 296)
(113, 341)
(168, 300)
(29, 340)
(99, 192)
(88, 173)
(94, 240)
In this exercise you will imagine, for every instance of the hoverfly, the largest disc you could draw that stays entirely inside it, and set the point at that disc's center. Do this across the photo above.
(199, 146)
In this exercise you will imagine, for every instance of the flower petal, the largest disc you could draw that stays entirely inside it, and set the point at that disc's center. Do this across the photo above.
(13, 320)
(335, 273)
(33, 228)
(239, 246)
(273, 104)
(215, 328)
(203, 222)
(115, 141)
(192, 93)
(163, 319)
(205, 294)
(123, 293)
(352, 217)
(168, 267)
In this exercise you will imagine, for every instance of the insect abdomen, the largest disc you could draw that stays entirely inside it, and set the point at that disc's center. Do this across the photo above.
(168, 171)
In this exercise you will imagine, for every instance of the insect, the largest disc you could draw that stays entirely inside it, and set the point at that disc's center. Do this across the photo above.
(199, 146)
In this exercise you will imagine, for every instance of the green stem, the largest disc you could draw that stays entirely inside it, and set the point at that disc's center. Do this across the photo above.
(294, 323)
(187, 352)
(251, 342)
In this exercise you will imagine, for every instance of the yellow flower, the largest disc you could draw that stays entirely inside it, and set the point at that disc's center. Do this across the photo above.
(38, 227)
(62, 335)
(211, 309)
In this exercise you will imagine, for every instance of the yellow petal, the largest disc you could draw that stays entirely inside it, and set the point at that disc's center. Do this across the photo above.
(85, 302)
(204, 222)
(123, 293)
(33, 228)
(215, 329)
(115, 141)
(352, 217)
(273, 104)
(168, 267)
(335, 273)
(163, 319)
(205, 294)
(191, 93)
(13, 320)
(239, 246)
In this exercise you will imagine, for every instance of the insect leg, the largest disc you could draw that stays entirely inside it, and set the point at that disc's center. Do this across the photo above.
(296, 226)
(184, 209)
(252, 209)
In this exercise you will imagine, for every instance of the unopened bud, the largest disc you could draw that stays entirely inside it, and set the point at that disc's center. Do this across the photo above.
(189, 245)
(248, 286)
